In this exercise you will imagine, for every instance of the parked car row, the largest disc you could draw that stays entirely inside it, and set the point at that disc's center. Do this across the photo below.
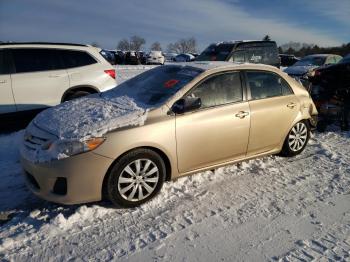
(133, 57)
(124, 143)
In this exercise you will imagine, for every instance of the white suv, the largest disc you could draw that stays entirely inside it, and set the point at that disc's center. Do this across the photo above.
(38, 75)
(155, 57)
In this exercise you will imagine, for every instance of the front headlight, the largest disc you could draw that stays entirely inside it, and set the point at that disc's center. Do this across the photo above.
(65, 148)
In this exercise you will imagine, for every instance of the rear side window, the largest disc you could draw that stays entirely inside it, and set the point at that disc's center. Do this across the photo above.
(35, 59)
(266, 84)
(256, 53)
(219, 90)
(73, 58)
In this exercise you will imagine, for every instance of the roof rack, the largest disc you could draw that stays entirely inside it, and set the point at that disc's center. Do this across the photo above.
(39, 43)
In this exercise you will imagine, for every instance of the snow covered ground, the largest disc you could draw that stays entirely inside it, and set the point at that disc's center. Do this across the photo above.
(268, 209)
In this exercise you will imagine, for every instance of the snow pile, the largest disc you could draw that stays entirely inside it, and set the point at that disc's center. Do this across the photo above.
(91, 116)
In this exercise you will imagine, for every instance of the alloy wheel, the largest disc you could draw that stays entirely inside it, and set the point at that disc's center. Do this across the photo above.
(297, 137)
(138, 180)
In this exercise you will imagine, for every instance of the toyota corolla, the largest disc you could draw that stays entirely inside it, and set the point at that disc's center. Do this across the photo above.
(170, 121)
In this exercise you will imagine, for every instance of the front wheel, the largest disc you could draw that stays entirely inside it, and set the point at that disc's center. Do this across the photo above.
(136, 178)
(296, 139)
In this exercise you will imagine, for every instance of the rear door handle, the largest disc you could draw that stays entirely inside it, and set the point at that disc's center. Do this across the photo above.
(242, 114)
(3, 81)
(291, 105)
(54, 76)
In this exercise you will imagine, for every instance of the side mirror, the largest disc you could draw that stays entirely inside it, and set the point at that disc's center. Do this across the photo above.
(187, 104)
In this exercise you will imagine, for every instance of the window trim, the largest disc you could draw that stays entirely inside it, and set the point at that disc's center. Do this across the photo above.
(249, 95)
(243, 86)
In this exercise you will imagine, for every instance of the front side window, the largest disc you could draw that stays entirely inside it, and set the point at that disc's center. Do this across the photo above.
(219, 90)
(72, 58)
(266, 84)
(35, 59)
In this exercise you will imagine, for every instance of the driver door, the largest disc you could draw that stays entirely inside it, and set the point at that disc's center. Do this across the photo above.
(218, 131)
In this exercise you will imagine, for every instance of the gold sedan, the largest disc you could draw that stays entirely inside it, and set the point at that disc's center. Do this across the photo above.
(170, 121)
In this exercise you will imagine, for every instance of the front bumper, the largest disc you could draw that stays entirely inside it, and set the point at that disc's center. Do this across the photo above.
(74, 180)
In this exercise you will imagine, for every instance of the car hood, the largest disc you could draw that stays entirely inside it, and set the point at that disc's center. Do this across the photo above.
(91, 116)
(298, 70)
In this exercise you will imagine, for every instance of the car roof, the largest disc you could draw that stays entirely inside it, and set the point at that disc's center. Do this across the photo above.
(210, 65)
(318, 55)
(47, 45)
(242, 41)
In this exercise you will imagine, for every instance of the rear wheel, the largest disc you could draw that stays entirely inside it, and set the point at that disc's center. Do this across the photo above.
(296, 140)
(76, 94)
(136, 178)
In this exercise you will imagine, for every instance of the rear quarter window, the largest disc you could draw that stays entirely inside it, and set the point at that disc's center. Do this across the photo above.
(72, 58)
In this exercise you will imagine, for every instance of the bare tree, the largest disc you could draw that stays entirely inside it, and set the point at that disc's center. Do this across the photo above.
(156, 46)
(171, 48)
(188, 45)
(266, 38)
(136, 42)
(123, 45)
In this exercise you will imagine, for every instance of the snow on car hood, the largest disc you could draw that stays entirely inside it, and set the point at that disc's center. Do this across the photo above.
(298, 70)
(78, 120)
(91, 116)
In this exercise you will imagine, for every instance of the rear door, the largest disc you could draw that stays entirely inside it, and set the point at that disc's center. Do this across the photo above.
(219, 130)
(39, 80)
(273, 108)
(7, 103)
(83, 69)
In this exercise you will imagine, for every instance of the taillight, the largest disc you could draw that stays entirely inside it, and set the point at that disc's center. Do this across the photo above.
(111, 73)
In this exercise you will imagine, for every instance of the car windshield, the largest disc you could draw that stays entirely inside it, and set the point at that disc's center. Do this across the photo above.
(311, 61)
(155, 86)
(215, 52)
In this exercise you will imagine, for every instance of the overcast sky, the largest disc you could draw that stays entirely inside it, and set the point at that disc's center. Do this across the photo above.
(323, 22)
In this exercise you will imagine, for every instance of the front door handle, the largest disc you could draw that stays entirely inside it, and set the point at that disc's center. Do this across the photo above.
(291, 105)
(54, 76)
(242, 114)
(3, 81)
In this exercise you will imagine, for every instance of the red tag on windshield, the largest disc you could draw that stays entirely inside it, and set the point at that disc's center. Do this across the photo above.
(170, 83)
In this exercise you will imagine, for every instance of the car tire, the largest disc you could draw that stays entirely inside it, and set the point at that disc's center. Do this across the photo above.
(76, 94)
(296, 140)
(135, 178)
